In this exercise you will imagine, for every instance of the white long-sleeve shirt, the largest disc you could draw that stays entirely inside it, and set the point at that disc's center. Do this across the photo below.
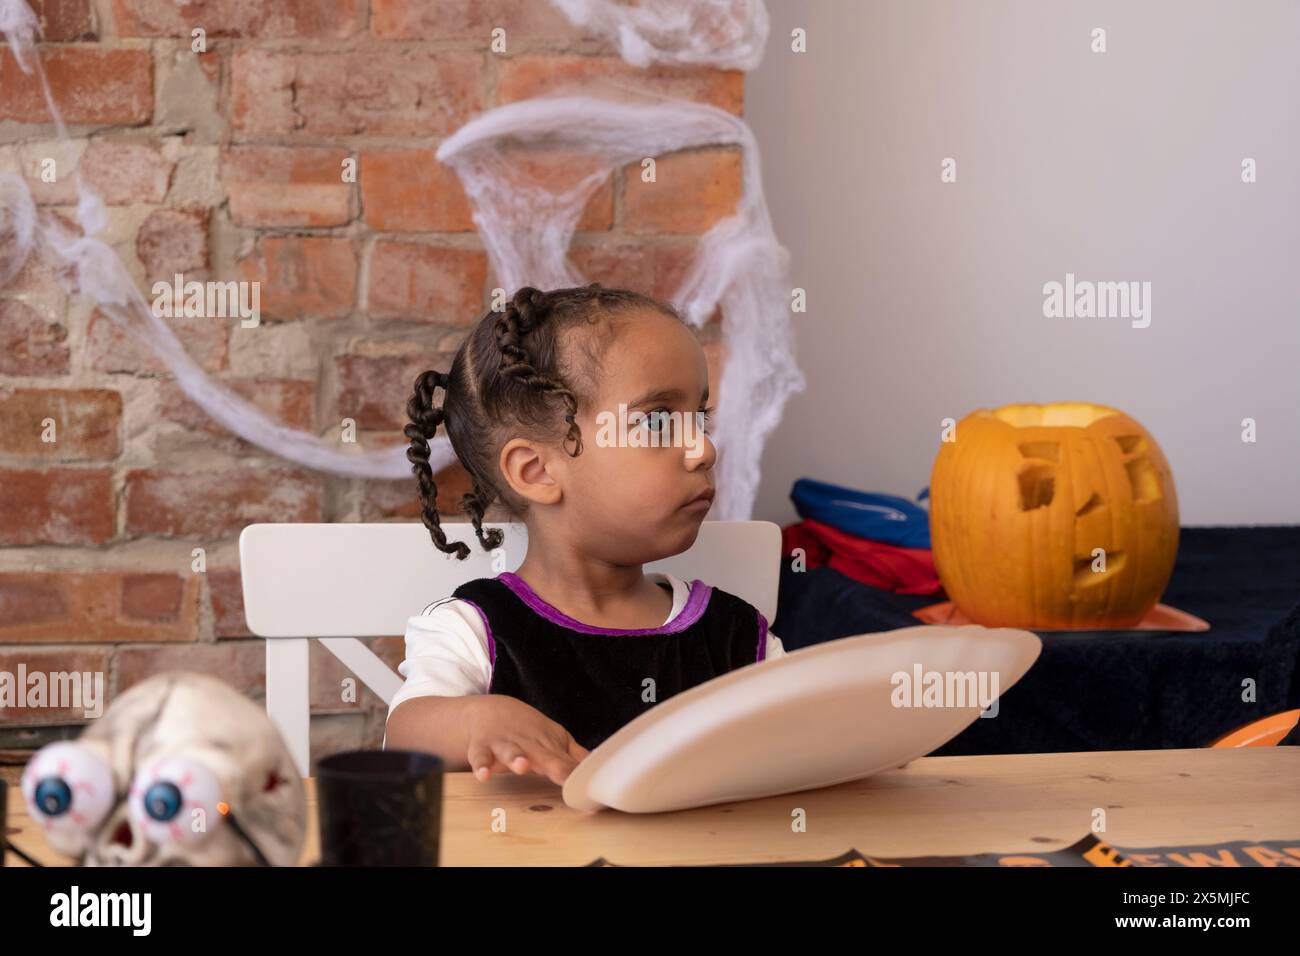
(447, 647)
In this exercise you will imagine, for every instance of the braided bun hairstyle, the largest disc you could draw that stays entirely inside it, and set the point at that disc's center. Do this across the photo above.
(517, 371)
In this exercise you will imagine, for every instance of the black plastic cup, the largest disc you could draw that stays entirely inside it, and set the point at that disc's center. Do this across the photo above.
(379, 808)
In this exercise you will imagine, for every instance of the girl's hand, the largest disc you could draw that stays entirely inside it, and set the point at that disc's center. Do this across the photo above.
(505, 734)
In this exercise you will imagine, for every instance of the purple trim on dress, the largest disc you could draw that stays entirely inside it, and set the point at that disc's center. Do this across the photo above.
(492, 644)
(762, 638)
(689, 614)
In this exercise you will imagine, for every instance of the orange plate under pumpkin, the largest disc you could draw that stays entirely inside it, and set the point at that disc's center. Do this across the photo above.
(1162, 617)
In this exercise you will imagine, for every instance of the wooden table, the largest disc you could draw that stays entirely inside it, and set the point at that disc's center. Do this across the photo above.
(934, 806)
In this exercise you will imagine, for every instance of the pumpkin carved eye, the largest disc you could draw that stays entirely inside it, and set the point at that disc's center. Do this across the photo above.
(1142, 477)
(1037, 487)
(1129, 443)
(1038, 478)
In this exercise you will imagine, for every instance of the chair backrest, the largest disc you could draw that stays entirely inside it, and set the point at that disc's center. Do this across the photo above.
(365, 580)
(339, 582)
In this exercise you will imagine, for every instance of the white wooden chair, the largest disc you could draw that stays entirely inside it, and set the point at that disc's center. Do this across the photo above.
(339, 582)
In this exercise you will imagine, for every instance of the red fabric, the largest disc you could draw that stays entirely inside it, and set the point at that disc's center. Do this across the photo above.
(887, 566)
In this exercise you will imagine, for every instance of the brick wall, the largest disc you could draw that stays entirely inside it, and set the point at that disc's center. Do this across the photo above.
(228, 164)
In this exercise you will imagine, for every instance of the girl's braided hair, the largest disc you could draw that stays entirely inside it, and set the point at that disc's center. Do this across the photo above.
(512, 371)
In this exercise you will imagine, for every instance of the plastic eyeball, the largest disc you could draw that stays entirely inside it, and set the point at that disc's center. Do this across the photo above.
(174, 800)
(69, 790)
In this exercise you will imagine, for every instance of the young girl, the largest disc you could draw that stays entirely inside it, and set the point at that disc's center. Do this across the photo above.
(530, 671)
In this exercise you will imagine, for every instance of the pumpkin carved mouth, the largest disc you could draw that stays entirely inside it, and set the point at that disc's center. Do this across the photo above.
(1086, 573)
(1088, 507)
(1037, 486)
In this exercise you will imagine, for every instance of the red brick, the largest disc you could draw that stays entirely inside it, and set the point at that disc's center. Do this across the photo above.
(391, 650)
(468, 20)
(332, 733)
(278, 186)
(255, 19)
(287, 401)
(393, 500)
(525, 77)
(374, 390)
(56, 506)
(173, 241)
(33, 600)
(90, 86)
(327, 674)
(125, 173)
(85, 661)
(408, 190)
(692, 191)
(109, 349)
(426, 283)
(48, 159)
(63, 190)
(380, 440)
(218, 503)
(405, 92)
(102, 606)
(226, 592)
(526, 22)
(65, 21)
(241, 664)
(87, 423)
(210, 63)
(304, 276)
(153, 597)
(671, 261)
(389, 500)
(29, 344)
(628, 265)
(558, 172)
(655, 268)
(43, 270)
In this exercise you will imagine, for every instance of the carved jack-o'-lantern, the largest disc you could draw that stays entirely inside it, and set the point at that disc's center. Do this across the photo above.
(1053, 516)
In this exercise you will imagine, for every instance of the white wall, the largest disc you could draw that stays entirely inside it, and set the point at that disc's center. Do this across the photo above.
(925, 299)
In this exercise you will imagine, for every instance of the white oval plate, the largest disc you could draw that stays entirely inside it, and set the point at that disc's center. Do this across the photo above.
(813, 718)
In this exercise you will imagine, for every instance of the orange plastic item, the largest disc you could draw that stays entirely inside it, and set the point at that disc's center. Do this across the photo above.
(1162, 617)
(1265, 732)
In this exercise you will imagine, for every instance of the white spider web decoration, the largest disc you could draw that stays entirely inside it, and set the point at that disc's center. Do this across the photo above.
(729, 34)
(739, 265)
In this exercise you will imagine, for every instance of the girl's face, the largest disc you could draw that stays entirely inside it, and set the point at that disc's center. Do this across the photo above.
(634, 494)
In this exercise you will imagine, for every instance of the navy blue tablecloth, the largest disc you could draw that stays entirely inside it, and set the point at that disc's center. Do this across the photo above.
(1116, 690)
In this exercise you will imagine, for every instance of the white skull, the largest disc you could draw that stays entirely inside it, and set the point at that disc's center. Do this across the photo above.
(141, 786)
